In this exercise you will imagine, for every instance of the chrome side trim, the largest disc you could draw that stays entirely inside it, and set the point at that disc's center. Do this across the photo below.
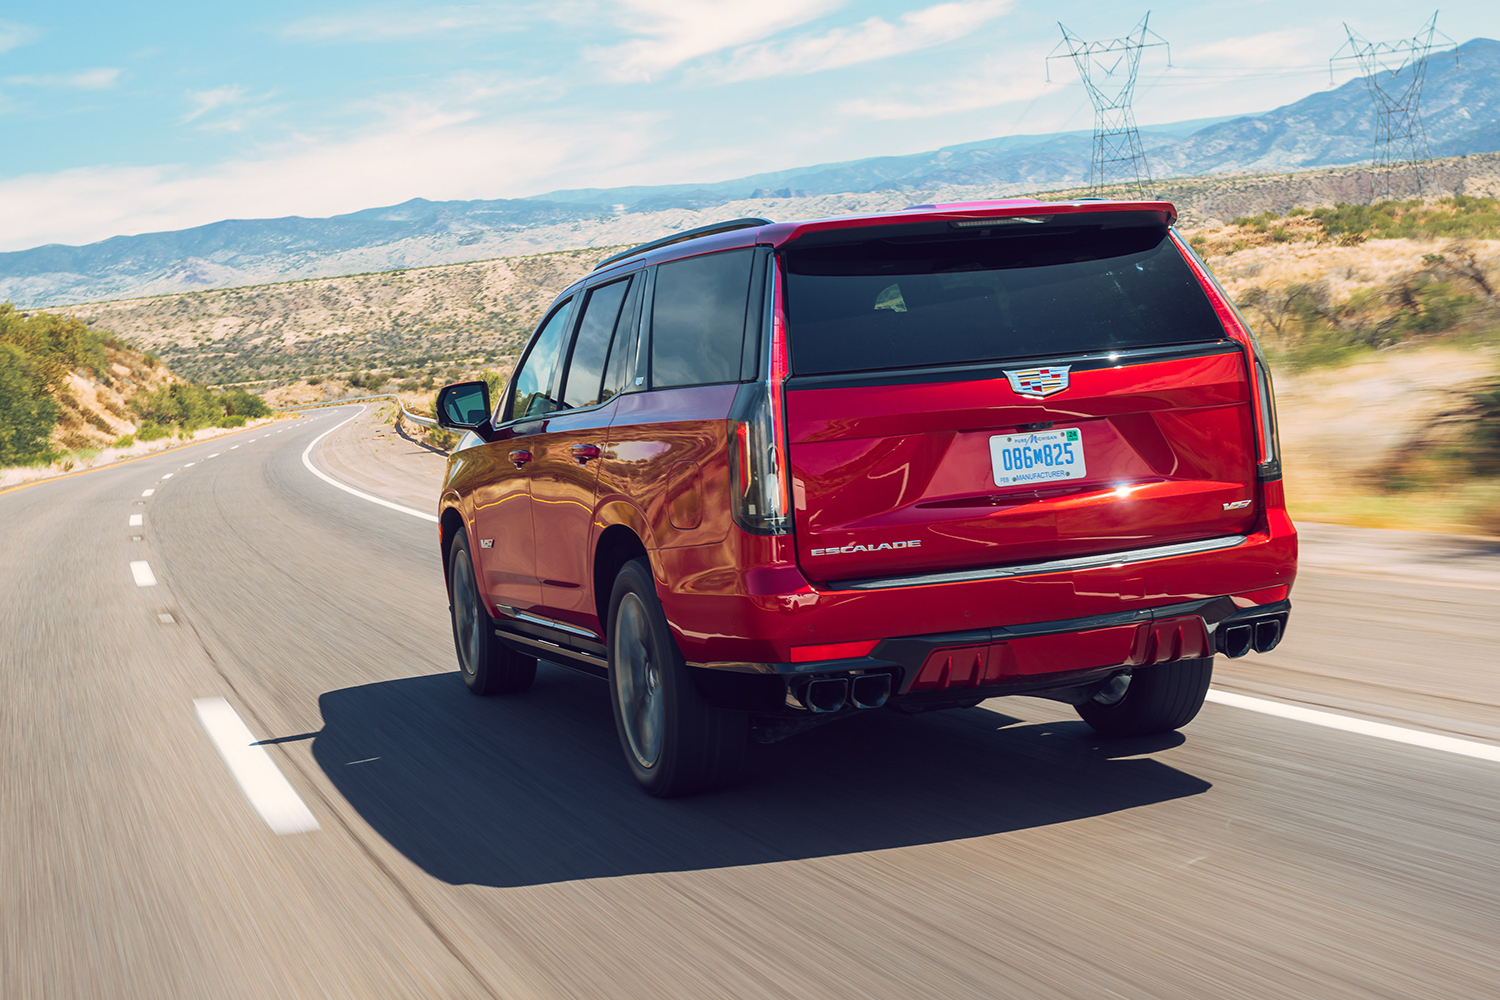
(547, 622)
(1051, 566)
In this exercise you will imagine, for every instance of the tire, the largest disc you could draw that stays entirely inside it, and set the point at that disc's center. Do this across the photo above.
(486, 664)
(1158, 699)
(674, 742)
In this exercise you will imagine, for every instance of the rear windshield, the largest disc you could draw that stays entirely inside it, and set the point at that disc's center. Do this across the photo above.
(889, 304)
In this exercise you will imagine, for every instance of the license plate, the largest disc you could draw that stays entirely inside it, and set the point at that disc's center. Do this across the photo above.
(1038, 457)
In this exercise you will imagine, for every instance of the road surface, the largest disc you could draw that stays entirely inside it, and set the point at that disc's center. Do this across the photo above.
(450, 846)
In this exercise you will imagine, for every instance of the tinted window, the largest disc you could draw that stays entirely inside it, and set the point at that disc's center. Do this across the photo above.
(698, 319)
(621, 365)
(601, 313)
(898, 305)
(534, 381)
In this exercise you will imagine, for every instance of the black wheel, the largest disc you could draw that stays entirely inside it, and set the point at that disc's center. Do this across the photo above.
(1151, 700)
(487, 665)
(674, 742)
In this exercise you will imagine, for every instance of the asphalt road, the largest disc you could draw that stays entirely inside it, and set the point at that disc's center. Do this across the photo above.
(498, 848)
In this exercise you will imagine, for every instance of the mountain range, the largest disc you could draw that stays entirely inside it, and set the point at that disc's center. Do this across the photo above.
(1460, 107)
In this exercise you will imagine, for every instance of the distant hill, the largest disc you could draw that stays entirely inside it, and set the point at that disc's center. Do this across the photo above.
(1461, 107)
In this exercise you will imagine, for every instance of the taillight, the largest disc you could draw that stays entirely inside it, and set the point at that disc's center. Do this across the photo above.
(1268, 443)
(758, 465)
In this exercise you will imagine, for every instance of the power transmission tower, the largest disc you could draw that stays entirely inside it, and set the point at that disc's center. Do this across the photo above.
(1394, 73)
(1108, 69)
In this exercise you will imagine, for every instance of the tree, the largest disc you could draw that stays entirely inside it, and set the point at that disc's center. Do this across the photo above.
(27, 412)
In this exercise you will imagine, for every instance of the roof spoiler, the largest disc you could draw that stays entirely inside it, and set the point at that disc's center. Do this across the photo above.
(687, 234)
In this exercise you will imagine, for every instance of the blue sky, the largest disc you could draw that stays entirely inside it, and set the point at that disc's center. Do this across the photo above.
(128, 117)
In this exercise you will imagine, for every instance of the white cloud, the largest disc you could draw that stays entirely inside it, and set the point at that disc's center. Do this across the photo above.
(13, 35)
(391, 24)
(102, 78)
(991, 86)
(670, 33)
(872, 39)
(438, 156)
(206, 101)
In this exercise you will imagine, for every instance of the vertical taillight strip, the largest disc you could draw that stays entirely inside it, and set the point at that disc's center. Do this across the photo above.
(1268, 443)
(757, 431)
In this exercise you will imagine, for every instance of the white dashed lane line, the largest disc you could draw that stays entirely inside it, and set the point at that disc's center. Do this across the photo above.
(257, 774)
(233, 446)
(136, 520)
(141, 570)
(147, 493)
(190, 465)
(215, 455)
(169, 475)
(1364, 727)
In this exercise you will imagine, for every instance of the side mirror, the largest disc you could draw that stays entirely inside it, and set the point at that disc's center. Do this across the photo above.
(463, 406)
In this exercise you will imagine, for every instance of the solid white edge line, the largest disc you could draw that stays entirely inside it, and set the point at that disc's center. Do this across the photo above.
(350, 489)
(136, 520)
(257, 774)
(1364, 727)
(141, 570)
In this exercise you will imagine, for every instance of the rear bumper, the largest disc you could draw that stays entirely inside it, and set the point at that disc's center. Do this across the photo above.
(774, 609)
(1051, 656)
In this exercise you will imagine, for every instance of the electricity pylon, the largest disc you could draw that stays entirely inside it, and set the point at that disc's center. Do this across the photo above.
(1108, 69)
(1394, 73)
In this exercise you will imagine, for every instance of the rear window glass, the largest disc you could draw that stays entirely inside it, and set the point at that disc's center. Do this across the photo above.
(698, 319)
(888, 304)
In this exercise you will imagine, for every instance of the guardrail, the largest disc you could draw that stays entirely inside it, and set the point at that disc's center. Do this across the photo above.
(415, 418)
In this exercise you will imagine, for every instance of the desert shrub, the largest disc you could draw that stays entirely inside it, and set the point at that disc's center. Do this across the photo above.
(27, 412)
(1456, 217)
(231, 420)
(124, 441)
(315, 380)
(238, 402)
(152, 432)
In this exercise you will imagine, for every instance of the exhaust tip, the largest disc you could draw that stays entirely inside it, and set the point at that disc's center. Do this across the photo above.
(1267, 635)
(825, 694)
(1237, 640)
(870, 690)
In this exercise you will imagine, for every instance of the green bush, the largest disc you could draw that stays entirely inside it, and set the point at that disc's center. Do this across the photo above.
(124, 441)
(238, 402)
(152, 432)
(233, 420)
(27, 411)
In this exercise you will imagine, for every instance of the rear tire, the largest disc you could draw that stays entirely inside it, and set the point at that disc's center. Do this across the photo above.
(1158, 699)
(486, 664)
(674, 742)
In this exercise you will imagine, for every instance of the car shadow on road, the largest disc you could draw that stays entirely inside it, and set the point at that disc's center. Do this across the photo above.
(532, 789)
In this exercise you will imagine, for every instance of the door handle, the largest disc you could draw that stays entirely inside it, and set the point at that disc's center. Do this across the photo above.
(584, 452)
(520, 457)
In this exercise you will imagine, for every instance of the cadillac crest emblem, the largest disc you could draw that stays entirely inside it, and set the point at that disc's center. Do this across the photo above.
(1038, 383)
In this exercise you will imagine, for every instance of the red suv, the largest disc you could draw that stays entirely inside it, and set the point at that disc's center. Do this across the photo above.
(765, 475)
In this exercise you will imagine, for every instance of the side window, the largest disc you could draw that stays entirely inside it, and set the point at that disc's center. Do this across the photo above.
(601, 314)
(698, 319)
(622, 351)
(534, 380)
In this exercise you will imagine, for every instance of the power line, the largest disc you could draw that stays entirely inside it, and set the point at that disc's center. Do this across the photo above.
(1109, 69)
(1394, 73)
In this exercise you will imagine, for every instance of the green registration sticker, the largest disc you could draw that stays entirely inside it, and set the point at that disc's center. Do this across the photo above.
(1072, 434)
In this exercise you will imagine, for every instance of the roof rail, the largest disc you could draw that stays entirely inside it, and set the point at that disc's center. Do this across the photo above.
(687, 234)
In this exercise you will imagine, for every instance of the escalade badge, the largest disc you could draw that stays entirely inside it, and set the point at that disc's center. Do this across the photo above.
(1038, 382)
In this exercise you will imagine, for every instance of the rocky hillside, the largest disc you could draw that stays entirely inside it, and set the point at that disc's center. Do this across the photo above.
(422, 318)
